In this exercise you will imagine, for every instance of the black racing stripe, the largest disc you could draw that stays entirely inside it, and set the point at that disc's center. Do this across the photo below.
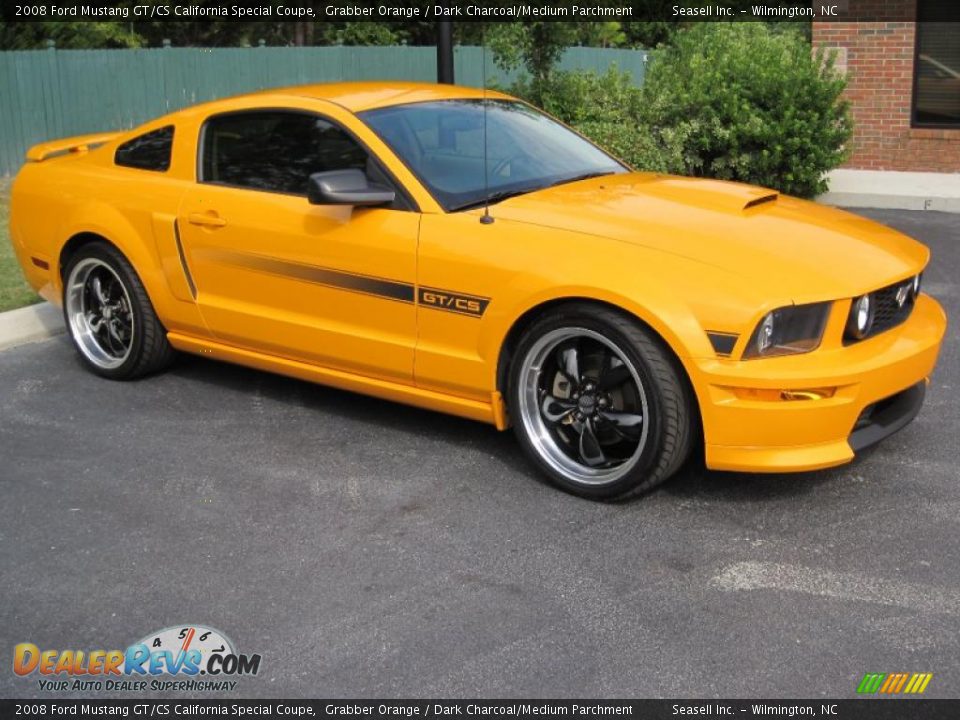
(428, 297)
(723, 343)
(381, 287)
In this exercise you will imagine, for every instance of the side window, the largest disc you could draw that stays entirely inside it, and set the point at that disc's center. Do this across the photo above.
(150, 151)
(275, 151)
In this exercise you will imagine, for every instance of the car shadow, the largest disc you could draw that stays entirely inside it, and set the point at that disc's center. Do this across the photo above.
(693, 481)
(356, 407)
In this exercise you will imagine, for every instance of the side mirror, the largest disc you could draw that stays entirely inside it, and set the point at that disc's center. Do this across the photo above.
(346, 187)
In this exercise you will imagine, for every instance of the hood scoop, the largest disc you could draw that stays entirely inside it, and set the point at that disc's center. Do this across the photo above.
(762, 200)
(709, 194)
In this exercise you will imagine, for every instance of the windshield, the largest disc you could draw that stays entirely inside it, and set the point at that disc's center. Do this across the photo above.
(443, 144)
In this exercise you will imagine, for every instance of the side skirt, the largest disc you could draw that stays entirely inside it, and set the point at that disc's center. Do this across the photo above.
(471, 409)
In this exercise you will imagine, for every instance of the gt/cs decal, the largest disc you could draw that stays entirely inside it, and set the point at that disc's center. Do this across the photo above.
(472, 305)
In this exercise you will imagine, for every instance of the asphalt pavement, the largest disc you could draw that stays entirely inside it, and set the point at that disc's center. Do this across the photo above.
(366, 549)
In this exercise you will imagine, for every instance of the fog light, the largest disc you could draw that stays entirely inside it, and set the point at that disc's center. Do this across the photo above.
(804, 394)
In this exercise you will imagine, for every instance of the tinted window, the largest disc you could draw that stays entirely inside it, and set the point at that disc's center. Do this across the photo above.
(937, 73)
(150, 151)
(443, 143)
(275, 151)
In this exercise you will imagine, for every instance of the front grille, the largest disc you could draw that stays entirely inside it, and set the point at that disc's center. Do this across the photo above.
(888, 312)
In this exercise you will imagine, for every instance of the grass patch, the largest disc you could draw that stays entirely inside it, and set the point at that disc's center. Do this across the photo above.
(14, 291)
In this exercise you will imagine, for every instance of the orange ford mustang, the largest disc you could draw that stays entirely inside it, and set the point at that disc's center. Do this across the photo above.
(461, 251)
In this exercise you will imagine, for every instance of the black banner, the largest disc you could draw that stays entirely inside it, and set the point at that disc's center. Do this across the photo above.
(481, 10)
(864, 709)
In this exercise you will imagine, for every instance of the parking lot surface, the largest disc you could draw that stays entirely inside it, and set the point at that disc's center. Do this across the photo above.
(366, 549)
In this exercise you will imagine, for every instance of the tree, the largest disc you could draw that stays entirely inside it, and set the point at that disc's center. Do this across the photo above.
(34, 35)
(535, 45)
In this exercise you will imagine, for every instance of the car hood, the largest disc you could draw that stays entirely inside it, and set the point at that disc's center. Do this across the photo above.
(783, 246)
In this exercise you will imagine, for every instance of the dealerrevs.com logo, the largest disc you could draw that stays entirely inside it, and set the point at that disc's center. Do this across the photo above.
(187, 657)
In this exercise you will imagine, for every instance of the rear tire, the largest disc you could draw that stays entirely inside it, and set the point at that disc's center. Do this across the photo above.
(110, 318)
(599, 403)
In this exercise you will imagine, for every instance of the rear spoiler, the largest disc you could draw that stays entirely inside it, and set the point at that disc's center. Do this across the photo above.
(75, 144)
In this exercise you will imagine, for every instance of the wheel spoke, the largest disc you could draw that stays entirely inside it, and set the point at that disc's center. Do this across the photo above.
(94, 321)
(555, 410)
(98, 291)
(108, 335)
(614, 376)
(112, 328)
(590, 450)
(622, 419)
(626, 425)
(569, 362)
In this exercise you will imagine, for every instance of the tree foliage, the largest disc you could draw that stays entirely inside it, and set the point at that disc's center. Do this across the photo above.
(749, 103)
(737, 101)
(70, 35)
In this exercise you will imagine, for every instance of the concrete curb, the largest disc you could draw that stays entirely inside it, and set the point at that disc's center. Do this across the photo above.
(890, 190)
(30, 324)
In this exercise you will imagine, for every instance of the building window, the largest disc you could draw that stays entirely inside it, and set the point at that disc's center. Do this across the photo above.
(150, 151)
(936, 72)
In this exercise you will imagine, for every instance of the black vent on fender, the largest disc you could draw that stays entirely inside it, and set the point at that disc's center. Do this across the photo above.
(723, 343)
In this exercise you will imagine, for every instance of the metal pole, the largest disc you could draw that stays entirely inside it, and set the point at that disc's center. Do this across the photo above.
(445, 52)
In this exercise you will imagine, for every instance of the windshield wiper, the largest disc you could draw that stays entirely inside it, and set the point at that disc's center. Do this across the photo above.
(494, 198)
(505, 194)
(583, 176)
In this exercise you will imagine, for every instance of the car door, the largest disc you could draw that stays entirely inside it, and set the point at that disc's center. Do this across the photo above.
(331, 285)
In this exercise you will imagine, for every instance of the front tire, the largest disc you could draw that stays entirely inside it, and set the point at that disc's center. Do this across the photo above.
(110, 318)
(599, 403)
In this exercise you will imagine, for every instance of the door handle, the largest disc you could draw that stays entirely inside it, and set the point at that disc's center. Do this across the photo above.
(207, 219)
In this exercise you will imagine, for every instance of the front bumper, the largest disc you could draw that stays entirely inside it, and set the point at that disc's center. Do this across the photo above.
(811, 411)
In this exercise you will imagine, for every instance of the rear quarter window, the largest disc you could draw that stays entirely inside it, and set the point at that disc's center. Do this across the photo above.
(150, 151)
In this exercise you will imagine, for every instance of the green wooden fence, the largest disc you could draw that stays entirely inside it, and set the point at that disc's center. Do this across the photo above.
(47, 94)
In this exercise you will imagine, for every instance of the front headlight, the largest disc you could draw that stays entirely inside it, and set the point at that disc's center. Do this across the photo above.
(789, 330)
(862, 314)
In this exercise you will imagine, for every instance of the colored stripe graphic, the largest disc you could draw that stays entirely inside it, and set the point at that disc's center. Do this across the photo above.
(426, 297)
(894, 683)
(871, 682)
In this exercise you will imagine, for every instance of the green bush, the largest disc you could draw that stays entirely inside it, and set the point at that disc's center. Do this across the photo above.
(739, 101)
(735, 101)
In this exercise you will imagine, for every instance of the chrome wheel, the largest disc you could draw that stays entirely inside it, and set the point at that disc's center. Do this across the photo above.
(100, 314)
(583, 406)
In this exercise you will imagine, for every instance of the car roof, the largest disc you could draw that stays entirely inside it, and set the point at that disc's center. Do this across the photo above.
(360, 96)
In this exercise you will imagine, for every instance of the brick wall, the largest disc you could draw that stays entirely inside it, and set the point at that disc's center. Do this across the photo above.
(878, 59)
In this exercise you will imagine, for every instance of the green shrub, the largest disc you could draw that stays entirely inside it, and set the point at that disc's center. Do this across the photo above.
(738, 101)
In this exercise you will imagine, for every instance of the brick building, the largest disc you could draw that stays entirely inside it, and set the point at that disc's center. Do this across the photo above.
(903, 70)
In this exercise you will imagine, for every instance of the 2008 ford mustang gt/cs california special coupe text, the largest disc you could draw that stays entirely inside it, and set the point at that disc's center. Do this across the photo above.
(458, 250)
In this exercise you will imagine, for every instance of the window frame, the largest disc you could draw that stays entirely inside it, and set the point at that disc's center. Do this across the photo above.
(404, 201)
(172, 127)
(915, 77)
